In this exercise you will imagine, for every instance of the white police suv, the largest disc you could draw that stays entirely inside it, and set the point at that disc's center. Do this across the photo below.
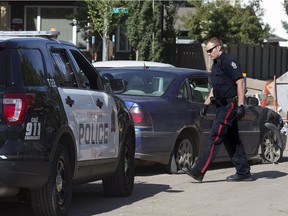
(60, 124)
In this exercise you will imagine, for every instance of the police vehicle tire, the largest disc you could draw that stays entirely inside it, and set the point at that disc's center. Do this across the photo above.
(182, 155)
(121, 183)
(54, 197)
(271, 144)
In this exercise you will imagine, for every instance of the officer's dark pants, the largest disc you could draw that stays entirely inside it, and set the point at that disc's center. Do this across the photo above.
(224, 130)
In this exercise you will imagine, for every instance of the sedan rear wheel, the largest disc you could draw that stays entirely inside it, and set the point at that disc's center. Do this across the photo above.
(183, 155)
(271, 144)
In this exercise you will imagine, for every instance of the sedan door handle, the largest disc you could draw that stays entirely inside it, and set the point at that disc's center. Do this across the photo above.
(69, 101)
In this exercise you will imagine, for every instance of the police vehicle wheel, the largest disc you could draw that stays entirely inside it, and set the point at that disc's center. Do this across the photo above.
(183, 154)
(54, 197)
(271, 144)
(121, 183)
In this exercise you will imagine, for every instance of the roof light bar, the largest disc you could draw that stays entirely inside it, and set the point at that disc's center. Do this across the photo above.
(30, 33)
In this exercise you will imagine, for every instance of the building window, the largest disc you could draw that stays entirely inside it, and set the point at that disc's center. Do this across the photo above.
(5, 16)
(43, 18)
(122, 43)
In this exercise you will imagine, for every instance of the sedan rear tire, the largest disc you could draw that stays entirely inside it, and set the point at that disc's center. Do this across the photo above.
(183, 154)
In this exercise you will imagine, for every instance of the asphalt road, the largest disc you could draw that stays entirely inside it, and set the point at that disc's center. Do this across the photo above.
(159, 194)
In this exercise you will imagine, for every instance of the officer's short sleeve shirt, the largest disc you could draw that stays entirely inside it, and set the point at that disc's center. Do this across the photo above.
(224, 86)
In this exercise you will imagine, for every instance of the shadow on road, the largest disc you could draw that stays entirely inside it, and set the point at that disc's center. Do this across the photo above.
(89, 199)
(268, 175)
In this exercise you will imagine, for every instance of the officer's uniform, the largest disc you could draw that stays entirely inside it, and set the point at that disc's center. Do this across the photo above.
(225, 72)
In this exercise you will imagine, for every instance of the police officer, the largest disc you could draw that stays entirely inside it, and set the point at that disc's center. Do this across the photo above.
(227, 94)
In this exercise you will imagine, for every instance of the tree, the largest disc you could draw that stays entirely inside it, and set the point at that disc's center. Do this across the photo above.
(141, 28)
(285, 23)
(145, 28)
(96, 16)
(169, 33)
(232, 23)
(144, 23)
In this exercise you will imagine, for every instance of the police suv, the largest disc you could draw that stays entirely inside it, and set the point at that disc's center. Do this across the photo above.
(60, 124)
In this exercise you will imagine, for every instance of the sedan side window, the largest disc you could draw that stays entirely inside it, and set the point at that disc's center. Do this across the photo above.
(184, 91)
(199, 89)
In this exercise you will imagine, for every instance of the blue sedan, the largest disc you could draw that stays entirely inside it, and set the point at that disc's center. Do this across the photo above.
(165, 103)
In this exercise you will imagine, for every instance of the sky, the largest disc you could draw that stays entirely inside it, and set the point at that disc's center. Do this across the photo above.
(273, 14)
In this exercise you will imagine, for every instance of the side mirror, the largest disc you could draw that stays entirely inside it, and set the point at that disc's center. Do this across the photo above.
(118, 86)
(252, 101)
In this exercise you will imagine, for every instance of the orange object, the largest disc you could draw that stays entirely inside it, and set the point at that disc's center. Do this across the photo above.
(266, 91)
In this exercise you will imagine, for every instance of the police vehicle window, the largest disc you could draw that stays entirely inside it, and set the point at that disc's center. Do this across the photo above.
(64, 73)
(3, 68)
(27, 67)
(86, 74)
(199, 89)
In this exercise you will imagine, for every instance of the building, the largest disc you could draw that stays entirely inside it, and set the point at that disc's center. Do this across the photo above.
(44, 15)
(41, 15)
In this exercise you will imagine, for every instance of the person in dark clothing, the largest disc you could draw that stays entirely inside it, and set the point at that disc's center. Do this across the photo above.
(227, 94)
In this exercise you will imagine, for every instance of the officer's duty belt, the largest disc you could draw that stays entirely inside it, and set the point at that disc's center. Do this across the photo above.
(222, 101)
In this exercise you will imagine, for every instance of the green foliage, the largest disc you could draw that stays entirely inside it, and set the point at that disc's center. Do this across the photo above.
(94, 12)
(141, 27)
(144, 28)
(233, 24)
(285, 23)
(98, 10)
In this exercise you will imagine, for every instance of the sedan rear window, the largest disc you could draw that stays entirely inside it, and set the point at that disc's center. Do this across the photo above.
(141, 83)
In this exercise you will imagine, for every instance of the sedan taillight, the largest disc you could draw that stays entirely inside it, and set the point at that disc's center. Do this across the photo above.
(15, 106)
(140, 116)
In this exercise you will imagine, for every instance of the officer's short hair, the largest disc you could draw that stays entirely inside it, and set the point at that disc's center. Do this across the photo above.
(216, 40)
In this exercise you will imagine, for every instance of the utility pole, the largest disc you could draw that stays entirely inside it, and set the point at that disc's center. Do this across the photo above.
(105, 41)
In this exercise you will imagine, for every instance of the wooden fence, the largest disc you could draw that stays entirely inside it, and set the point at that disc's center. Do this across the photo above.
(259, 62)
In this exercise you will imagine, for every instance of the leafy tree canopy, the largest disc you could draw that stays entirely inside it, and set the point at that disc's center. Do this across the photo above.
(285, 23)
(145, 25)
(232, 23)
(142, 27)
(91, 14)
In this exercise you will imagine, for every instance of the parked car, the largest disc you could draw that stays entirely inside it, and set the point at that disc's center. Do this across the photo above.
(60, 125)
(128, 63)
(165, 104)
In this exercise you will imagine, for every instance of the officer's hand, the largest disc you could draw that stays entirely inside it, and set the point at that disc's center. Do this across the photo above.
(240, 112)
(203, 111)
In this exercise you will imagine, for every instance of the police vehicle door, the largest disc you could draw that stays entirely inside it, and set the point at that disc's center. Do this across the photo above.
(89, 120)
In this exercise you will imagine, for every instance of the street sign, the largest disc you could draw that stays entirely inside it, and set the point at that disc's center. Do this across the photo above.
(119, 10)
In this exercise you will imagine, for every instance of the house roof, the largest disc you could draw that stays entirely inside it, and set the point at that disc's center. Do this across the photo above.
(274, 39)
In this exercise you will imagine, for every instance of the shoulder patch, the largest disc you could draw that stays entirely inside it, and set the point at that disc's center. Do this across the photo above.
(234, 65)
